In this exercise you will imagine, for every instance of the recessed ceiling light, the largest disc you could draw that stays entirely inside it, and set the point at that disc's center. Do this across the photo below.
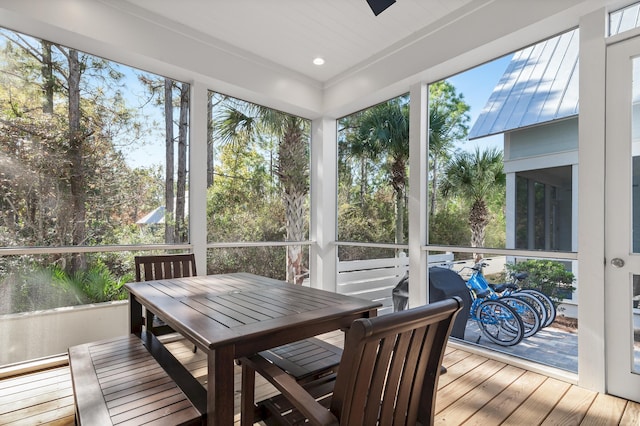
(318, 61)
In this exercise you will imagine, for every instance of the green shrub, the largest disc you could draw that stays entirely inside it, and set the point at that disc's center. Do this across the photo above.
(97, 284)
(547, 276)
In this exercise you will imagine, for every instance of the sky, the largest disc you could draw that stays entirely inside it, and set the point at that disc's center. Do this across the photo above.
(476, 85)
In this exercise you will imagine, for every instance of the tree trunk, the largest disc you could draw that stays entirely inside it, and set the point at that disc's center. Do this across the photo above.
(168, 186)
(293, 173)
(294, 206)
(399, 217)
(363, 180)
(434, 186)
(478, 221)
(183, 131)
(47, 108)
(210, 142)
(77, 177)
(398, 182)
(47, 78)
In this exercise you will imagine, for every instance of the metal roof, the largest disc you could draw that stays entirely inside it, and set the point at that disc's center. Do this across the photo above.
(157, 215)
(539, 85)
(153, 218)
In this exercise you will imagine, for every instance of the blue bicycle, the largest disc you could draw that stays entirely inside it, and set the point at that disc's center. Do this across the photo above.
(543, 303)
(526, 310)
(498, 321)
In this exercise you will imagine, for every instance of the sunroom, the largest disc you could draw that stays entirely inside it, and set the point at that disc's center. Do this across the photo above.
(188, 111)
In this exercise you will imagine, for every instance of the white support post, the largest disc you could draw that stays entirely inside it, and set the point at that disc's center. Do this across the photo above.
(418, 186)
(510, 210)
(323, 226)
(198, 175)
(591, 153)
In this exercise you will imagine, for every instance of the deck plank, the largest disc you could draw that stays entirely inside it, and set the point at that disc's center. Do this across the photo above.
(572, 408)
(460, 368)
(539, 404)
(11, 384)
(12, 404)
(467, 382)
(466, 406)
(500, 407)
(631, 415)
(604, 410)
(32, 411)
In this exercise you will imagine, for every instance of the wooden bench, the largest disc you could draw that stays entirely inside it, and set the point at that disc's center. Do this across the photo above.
(121, 382)
(306, 359)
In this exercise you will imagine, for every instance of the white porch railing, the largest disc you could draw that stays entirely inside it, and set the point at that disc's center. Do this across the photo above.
(31, 335)
(374, 279)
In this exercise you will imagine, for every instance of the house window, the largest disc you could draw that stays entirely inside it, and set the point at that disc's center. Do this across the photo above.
(543, 209)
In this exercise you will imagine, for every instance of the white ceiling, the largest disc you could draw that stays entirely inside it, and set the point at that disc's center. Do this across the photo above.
(293, 32)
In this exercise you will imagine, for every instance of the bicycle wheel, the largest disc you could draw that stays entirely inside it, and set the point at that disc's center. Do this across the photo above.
(499, 323)
(539, 306)
(528, 314)
(546, 301)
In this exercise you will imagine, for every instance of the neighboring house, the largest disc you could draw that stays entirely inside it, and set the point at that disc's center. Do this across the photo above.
(157, 215)
(535, 107)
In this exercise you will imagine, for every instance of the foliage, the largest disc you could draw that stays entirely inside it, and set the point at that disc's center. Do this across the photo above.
(28, 289)
(359, 227)
(373, 155)
(234, 215)
(549, 276)
(449, 226)
(380, 134)
(33, 288)
(97, 284)
(265, 261)
(264, 155)
(68, 126)
(448, 124)
(62, 188)
(476, 177)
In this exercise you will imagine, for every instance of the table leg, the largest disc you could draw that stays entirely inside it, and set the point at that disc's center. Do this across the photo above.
(135, 316)
(247, 397)
(220, 386)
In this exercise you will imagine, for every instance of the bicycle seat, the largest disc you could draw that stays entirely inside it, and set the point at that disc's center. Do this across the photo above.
(481, 294)
(499, 288)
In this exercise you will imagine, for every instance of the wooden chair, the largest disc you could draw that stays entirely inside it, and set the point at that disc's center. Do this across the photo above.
(388, 373)
(149, 268)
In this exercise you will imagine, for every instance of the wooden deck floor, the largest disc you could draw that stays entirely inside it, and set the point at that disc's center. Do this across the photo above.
(475, 390)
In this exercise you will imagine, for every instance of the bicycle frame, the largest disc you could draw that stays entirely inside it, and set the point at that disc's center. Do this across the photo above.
(481, 290)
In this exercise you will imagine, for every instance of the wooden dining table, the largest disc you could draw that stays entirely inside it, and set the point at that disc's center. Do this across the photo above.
(229, 316)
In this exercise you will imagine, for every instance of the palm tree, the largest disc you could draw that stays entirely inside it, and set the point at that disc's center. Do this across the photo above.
(475, 176)
(239, 121)
(383, 135)
(448, 118)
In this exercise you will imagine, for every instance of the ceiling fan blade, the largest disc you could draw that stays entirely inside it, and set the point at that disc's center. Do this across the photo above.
(379, 6)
